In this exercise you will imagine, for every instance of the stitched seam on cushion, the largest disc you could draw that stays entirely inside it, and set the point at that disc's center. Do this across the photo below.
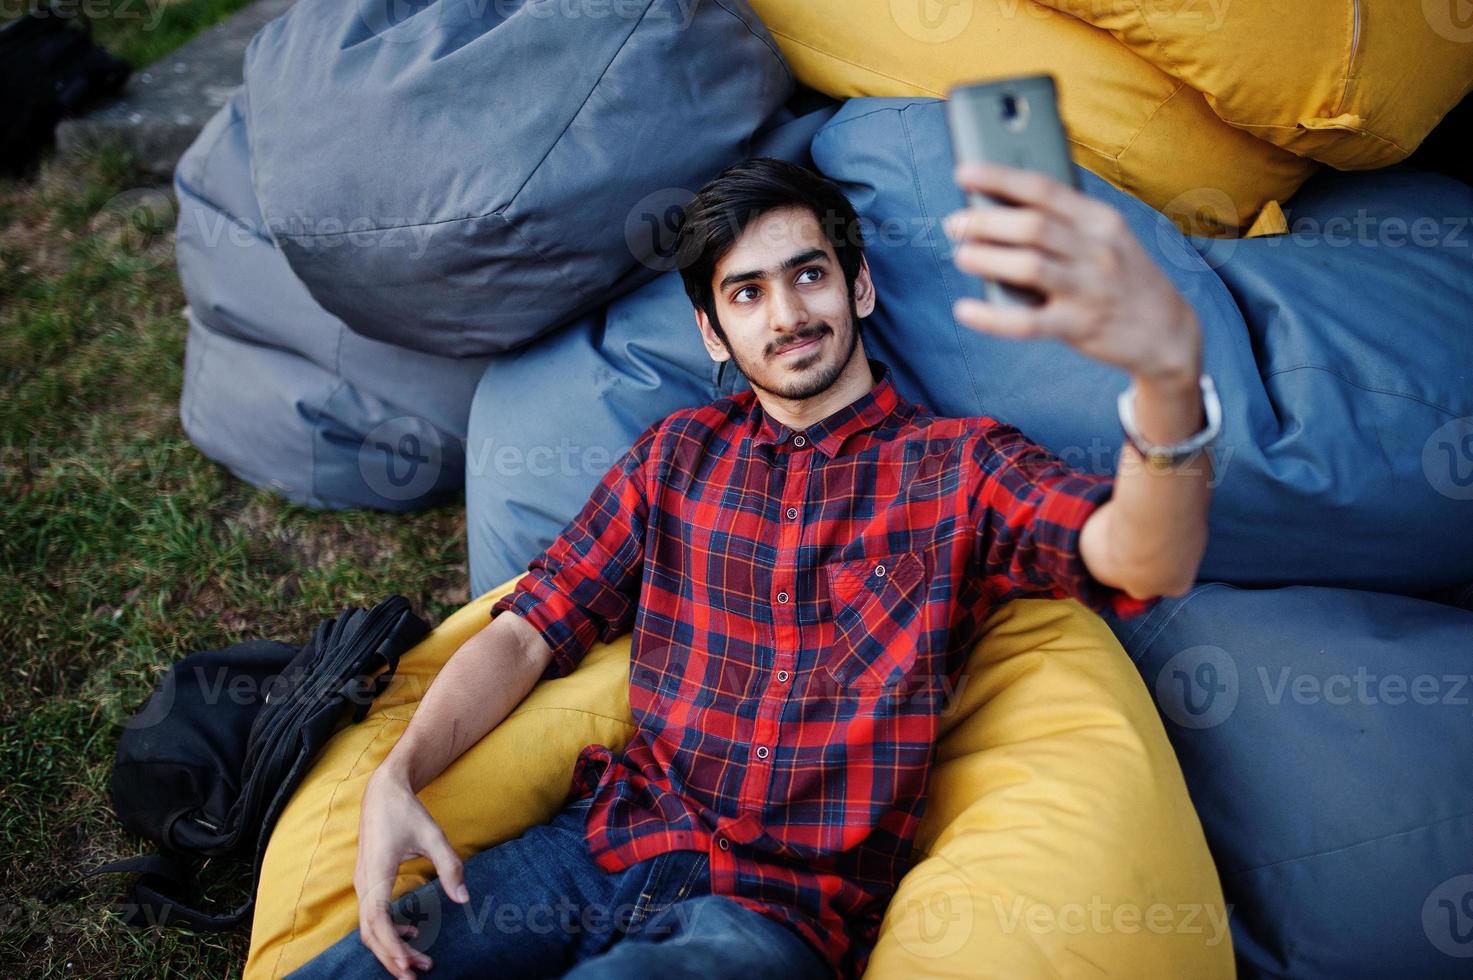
(1349, 847)
(1359, 131)
(1363, 387)
(1147, 121)
(853, 64)
(1166, 621)
(554, 266)
(582, 711)
(1176, 70)
(767, 42)
(233, 218)
(387, 713)
(1355, 39)
(552, 144)
(321, 832)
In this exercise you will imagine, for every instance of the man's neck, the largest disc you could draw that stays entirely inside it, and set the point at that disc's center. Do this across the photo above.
(851, 385)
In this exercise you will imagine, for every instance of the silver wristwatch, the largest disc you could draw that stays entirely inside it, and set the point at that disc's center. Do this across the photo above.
(1164, 457)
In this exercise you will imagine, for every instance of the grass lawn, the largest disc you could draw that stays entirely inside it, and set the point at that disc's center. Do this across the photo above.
(122, 548)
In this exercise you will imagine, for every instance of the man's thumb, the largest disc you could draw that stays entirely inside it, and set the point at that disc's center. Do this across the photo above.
(449, 867)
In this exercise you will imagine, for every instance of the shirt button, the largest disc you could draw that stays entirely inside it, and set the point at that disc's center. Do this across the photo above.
(792, 513)
(799, 441)
(782, 676)
(880, 570)
(761, 751)
(782, 597)
(723, 843)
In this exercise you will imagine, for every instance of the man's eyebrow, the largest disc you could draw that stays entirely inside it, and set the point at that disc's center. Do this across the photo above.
(792, 262)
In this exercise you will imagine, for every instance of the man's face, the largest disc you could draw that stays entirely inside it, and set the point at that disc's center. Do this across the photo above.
(790, 322)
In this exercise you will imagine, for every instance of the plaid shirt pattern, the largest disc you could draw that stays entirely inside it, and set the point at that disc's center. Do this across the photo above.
(802, 603)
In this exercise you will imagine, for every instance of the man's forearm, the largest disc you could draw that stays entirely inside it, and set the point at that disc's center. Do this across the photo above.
(1150, 537)
(478, 687)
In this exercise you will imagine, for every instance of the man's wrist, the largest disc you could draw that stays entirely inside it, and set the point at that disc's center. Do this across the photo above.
(392, 771)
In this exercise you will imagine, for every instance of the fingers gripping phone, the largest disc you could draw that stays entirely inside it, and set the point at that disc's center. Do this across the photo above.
(1014, 122)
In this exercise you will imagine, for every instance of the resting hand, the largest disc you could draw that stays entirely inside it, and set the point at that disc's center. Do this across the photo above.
(1103, 295)
(395, 826)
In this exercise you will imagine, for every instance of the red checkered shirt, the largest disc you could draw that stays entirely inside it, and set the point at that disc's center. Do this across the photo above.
(802, 603)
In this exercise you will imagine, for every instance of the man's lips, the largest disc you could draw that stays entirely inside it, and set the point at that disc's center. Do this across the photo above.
(800, 348)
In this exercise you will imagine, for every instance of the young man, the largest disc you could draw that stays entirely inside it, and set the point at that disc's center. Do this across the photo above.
(804, 567)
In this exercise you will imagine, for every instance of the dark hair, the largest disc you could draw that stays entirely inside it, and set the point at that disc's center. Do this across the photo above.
(720, 212)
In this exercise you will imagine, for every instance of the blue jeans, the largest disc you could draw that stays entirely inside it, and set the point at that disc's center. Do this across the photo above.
(540, 907)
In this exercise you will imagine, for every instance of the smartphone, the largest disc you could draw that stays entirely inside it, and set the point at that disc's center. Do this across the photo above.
(1014, 122)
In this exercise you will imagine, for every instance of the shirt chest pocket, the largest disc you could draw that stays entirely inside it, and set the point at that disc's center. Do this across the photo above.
(877, 607)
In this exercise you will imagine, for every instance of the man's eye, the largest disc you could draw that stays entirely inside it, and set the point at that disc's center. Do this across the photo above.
(814, 269)
(737, 296)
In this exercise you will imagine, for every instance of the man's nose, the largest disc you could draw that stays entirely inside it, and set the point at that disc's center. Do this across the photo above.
(786, 312)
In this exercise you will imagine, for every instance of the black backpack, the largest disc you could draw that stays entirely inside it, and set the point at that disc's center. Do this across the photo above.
(206, 766)
(49, 68)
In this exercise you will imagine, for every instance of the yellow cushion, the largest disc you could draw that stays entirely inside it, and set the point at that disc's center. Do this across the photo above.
(1356, 84)
(1129, 121)
(1058, 828)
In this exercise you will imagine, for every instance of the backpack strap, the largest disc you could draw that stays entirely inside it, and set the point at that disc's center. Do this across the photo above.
(162, 895)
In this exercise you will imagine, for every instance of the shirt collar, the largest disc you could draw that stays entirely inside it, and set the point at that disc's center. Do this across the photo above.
(828, 434)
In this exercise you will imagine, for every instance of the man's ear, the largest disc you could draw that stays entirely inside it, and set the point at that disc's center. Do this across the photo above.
(713, 343)
(864, 290)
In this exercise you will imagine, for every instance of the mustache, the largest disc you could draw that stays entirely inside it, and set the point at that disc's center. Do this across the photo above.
(803, 338)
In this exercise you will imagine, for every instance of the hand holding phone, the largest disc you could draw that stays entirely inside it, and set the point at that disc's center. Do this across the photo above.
(1055, 261)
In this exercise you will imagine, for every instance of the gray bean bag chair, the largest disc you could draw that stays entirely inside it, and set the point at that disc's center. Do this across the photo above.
(1325, 738)
(460, 178)
(278, 389)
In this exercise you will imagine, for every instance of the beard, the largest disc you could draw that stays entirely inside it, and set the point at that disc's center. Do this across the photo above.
(809, 375)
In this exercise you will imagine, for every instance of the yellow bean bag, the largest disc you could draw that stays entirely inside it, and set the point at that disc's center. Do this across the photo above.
(1129, 121)
(1356, 84)
(1059, 840)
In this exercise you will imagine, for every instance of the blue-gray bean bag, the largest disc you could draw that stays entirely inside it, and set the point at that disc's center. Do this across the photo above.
(1327, 740)
(1338, 357)
(459, 178)
(278, 389)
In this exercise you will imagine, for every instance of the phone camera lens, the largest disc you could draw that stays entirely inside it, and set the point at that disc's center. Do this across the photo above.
(1009, 106)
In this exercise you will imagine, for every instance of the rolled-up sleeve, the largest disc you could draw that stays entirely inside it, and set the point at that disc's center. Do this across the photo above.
(584, 588)
(1028, 508)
